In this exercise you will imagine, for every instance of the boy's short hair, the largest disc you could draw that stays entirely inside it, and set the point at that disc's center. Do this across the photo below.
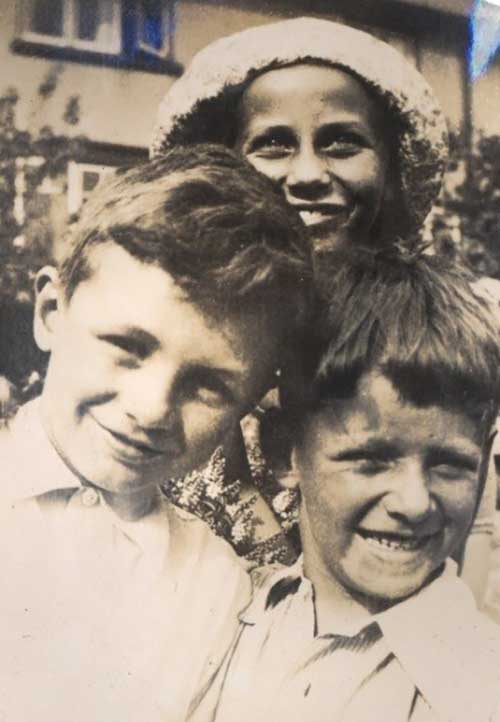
(223, 231)
(416, 318)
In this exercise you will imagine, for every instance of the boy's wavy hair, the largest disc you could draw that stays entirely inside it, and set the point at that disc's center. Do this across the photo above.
(220, 229)
(418, 319)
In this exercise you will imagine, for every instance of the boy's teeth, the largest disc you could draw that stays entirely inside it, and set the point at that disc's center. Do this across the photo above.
(392, 542)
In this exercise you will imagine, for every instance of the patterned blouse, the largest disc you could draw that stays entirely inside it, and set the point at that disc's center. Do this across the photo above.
(215, 497)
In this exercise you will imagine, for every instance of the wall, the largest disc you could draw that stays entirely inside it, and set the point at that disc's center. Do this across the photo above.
(119, 106)
(486, 100)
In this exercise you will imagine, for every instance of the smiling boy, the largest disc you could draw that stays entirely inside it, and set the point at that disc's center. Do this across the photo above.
(391, 417)
(114, 598)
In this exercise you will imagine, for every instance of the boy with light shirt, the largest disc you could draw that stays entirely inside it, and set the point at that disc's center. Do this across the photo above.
(114, 599)
(391, 414)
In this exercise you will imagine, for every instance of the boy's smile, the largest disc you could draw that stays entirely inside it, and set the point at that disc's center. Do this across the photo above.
(389, 490)
(141, 384)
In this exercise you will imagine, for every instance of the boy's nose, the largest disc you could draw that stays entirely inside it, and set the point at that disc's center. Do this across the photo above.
(148, 400)
(410, 498)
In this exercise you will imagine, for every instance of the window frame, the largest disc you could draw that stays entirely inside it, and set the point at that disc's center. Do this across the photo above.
(128, 52)
(75, 174)
(68, 38)
(167, 24)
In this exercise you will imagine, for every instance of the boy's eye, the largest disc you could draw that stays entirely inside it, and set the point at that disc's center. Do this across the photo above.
(453, 466)
(131, 346)
(361, 461)
(207, 388)
(452, 472)
(372, 467)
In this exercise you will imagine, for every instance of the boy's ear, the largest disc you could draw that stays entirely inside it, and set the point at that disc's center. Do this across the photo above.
(49, 298)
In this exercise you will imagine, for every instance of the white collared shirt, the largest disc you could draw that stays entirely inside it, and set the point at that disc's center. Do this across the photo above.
(431, 658)
(100, 618)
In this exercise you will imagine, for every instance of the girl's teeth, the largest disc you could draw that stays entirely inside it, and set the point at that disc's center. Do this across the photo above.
(392, 543)
(311, 217)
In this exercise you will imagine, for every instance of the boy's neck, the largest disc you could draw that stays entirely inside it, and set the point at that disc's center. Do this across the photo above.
(338, 610)
(131, 507)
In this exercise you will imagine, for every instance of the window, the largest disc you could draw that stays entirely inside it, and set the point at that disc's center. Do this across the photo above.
(82, 179)
(82, 24)
(136, 34)
(153, 27)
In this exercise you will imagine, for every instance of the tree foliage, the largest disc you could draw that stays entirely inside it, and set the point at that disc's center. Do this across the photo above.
(467, 218)
(29, 160)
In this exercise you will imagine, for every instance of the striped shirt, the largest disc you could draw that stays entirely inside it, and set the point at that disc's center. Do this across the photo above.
(430, 658)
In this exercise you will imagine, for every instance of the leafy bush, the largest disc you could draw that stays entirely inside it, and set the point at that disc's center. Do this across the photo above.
(467, 218)
(30, 160)
(27, 162)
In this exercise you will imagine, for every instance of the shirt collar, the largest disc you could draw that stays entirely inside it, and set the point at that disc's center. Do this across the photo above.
(290, 582)
(450, 652)
(37, 467)
(270, 585)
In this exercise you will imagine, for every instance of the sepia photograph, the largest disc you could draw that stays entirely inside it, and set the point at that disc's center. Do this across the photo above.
(250, 360)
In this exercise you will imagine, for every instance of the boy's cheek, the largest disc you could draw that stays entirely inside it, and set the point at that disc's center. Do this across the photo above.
(204, 427)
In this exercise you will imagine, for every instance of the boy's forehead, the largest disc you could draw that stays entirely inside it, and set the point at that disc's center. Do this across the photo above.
(124, 290)
(378, 412)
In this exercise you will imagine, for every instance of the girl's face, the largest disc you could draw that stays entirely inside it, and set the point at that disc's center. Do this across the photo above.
(319, 133)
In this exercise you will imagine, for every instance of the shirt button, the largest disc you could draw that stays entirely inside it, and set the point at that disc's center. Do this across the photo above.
(90, 497)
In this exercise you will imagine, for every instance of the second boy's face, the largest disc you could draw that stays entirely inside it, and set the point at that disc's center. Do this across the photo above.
(389, 490)
(142, 385)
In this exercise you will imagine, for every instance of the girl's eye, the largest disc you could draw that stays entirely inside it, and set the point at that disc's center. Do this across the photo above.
(344, 145)
(272, 145)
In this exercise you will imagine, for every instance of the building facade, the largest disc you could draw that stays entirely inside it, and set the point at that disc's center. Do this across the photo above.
(82, 79)
(114, 60)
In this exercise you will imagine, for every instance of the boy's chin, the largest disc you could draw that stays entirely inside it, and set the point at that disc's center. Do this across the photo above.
(386, 593)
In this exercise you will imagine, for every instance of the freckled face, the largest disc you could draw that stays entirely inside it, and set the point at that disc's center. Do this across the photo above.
(142, 384)
(388, 490)
(320, 134)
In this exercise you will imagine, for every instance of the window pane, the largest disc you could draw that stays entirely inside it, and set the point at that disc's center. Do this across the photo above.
(47, 18)
(89, 180)
(152, 25)
(87, 19)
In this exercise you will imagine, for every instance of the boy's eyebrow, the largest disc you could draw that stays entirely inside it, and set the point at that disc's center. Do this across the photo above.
(144, 338)
(228, 374)
(381, 449)
(134, 332)
(446, 454)
(376, 447)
